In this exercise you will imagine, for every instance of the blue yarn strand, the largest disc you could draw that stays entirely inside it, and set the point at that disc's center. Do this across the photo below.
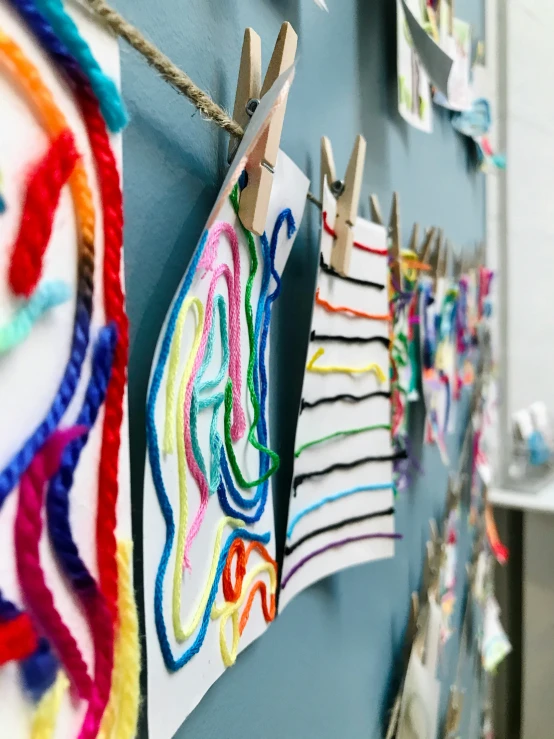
(57, 499)
(10, 475)
(109, 99)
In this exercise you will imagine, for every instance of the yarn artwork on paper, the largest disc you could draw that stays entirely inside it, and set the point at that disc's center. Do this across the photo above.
(341, 510)
(209, 547)
(438, 307)
(66, 602)
(404, 359)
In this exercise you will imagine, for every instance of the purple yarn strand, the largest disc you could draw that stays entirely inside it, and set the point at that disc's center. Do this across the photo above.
(57, 499)
(334, 545)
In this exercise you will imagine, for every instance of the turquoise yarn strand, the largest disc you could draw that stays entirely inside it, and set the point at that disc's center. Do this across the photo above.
(105, 89)
(47, 295)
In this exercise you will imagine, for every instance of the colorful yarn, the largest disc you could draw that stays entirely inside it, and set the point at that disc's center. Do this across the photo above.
(66, 550)
(18, 638)
(373, 367)
(304, 404)
(354, 280)
(111, 104)
(173, 663)
(351, 312)
(230, 610)
(332, 498)
(44, 719)
(232, 592)
(263, 317)
(384, 340)
(357, 244)
(334, 545)
(28, 528)
(299, 479)
(38, 672)
(13, 59)
(47, 295)
(182, 452)
(39, 208)
(289, 549)
(121, 716)
(111, 198)
(350, 432)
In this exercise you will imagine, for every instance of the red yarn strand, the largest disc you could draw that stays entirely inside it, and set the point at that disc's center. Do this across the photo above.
(39, 208)
(18, 639)
(357, 244)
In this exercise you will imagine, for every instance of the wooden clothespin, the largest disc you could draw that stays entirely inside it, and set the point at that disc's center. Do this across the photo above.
(254, 199)
(451, 17)
(414, 238)
(347, 194)
(425, 251)
(375, 210)
(442, 267)
(435, 257)
(454, 712)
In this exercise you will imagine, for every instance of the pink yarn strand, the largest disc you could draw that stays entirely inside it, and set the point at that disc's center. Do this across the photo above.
(234, 346)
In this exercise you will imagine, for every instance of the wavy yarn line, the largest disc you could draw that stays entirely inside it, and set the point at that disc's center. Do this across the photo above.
(329, 547)
(289, 549)
(332, 498)
(66, 550)
(351, 312)
(230, 610)
(28, 528)
(373, 367)
(26, 74)
(332, 272)
(299, 479)
(337, 434)
(48, 295)
(105, 89)
(39, 208)
(346, 397)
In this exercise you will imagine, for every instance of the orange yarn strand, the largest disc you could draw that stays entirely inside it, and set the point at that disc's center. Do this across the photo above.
(344, 309)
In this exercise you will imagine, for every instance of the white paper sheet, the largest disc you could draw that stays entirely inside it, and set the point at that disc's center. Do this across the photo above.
(30, 374)
(173, 695)
(414, 93)
(458, 47)
(329, 418)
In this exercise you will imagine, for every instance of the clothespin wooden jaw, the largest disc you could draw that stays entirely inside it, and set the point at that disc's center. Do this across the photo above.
(254, 199)
(375, 210)
(328, 169)
(348, 200)
(395, 256)
(347, 208)
(426, 247)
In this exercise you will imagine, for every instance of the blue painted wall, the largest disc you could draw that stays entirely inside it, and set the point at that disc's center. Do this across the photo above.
(326, 666)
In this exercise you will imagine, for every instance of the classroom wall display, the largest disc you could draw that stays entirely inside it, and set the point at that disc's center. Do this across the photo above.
(341, 509)
(209, 546)
(414, 92)
(69, 655)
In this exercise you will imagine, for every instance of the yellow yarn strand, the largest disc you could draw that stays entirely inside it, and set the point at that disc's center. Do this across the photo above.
(174, 356)
(375, 368)
(121, 716)
(231, 610)
(183, 633)
(44, 719)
